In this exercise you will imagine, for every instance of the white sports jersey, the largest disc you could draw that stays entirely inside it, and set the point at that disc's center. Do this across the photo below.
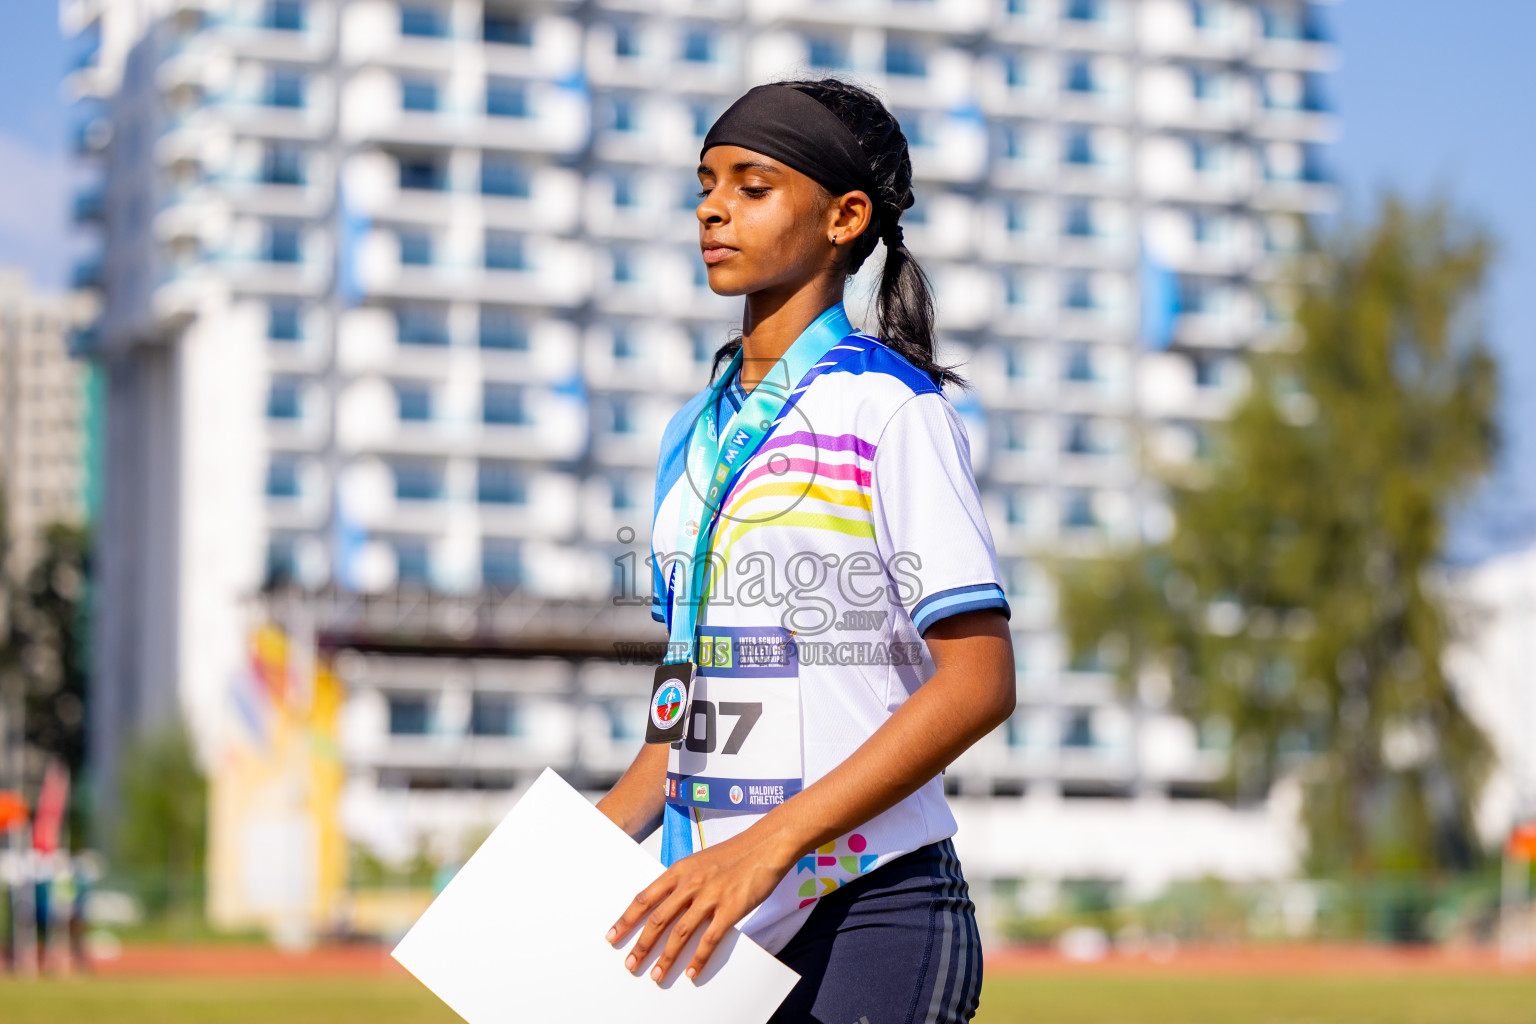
(852, 529)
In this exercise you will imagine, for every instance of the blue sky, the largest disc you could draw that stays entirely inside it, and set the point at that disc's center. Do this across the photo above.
(1434, 96)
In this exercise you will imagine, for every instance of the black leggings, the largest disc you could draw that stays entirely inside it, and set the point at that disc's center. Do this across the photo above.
(897, 946)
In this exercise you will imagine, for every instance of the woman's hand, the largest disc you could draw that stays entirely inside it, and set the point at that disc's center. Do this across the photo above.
(712, 889)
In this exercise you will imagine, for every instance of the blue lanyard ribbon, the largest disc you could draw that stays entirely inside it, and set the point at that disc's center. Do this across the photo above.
(717, 455)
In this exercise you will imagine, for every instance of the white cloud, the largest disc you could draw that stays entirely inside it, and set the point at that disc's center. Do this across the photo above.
(34, 211)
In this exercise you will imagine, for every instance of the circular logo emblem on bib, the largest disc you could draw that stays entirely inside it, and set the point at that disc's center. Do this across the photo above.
(692, 528)
(666, 705)
(736, 794)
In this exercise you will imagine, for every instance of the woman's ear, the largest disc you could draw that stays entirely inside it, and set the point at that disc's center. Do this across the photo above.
(848, 216)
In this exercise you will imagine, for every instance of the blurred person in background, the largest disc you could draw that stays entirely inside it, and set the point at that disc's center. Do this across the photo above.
(822, 484)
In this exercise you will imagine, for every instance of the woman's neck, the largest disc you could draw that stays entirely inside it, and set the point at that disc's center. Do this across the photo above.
(772, 321)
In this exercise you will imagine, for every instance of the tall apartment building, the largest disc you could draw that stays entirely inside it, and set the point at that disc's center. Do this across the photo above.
(398, 294)
(45, 410)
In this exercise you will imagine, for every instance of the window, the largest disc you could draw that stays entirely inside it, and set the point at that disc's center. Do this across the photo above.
(1202, 156)
(494, 715)
(827, 53)
(1018, 364)
(506, 28)
(1018, 508)
(626, 40)
(1201, 17)
(282, 562)
(1085, 10)
(283, 477)
(421, 325)
(1201, 84)
(1194, 295)
(1078, 511)
(1016, 71)
(698, 46)
(418, 481)
(283, 244)
(1017, 291)
(1079, 220)
(703, 116)
(500, 483)
(1017, 728)
(418, 94)
(1015, 139)
(502, 329)
(285, 89)
(622, 495)
(284, 400)
(903, 58)
(415, 402)
(1079, 292)
(505, 252)
(624, 194)
(621, 417)
(624, 115)
(284, 15)
(421, 21)
(505, 98)
(623, 345)
(1080, 76)
(1079, 368)
(421, 172)
(503, 176)
(503, 404)
(623, 266)
(1016, 434)
(415, 248)
(1202, 228)
(1017, 216)
(501, 563)
(1207, 371)
(1077, 730)
(283, 321)
(413, 563)
(283, 164)
(409, 716)
(1079, 438)
(1299, 23)
(1017, 8)
(1079, 147)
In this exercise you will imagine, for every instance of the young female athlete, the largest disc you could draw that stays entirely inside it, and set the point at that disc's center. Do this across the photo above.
(838, 629)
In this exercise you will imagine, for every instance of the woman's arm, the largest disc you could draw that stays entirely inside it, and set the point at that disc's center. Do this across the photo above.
(971, 692)
(635, 802)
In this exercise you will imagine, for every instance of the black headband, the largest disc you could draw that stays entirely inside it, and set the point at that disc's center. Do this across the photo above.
(786, 124)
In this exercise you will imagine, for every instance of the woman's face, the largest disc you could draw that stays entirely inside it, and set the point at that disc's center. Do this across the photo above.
(765, 226)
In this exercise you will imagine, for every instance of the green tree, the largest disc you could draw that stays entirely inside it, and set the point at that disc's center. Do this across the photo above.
(163, 828)
(1294, 603)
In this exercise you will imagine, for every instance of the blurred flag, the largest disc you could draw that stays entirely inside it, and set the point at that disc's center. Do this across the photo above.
(51, 801)
(1159, 299)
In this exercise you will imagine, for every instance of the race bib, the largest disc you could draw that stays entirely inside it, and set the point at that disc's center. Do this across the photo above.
(741, 746)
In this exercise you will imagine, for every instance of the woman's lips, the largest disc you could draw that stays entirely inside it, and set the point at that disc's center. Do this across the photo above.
(717, 254)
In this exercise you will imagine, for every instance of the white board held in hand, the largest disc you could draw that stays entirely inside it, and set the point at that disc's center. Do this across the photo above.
(517, 935)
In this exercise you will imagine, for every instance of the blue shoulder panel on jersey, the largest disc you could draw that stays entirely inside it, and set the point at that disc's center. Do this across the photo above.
(669, 467)
(941, 604)
(881, 358)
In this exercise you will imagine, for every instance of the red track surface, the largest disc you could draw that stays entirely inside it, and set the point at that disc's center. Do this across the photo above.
(365, 961)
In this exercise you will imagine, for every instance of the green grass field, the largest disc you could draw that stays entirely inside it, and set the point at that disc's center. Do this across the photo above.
(1078, 998)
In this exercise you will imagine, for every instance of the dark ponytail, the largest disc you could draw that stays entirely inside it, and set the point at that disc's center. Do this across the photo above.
(905, 302)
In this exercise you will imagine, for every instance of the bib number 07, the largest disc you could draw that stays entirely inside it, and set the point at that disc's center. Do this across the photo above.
(703, 716)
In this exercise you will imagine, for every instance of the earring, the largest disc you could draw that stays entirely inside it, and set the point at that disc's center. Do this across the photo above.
(836, 239)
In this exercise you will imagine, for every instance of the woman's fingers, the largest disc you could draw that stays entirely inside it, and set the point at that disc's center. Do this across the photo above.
(707, 943)
(682, 931)
(656, 926)
(643, 903)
